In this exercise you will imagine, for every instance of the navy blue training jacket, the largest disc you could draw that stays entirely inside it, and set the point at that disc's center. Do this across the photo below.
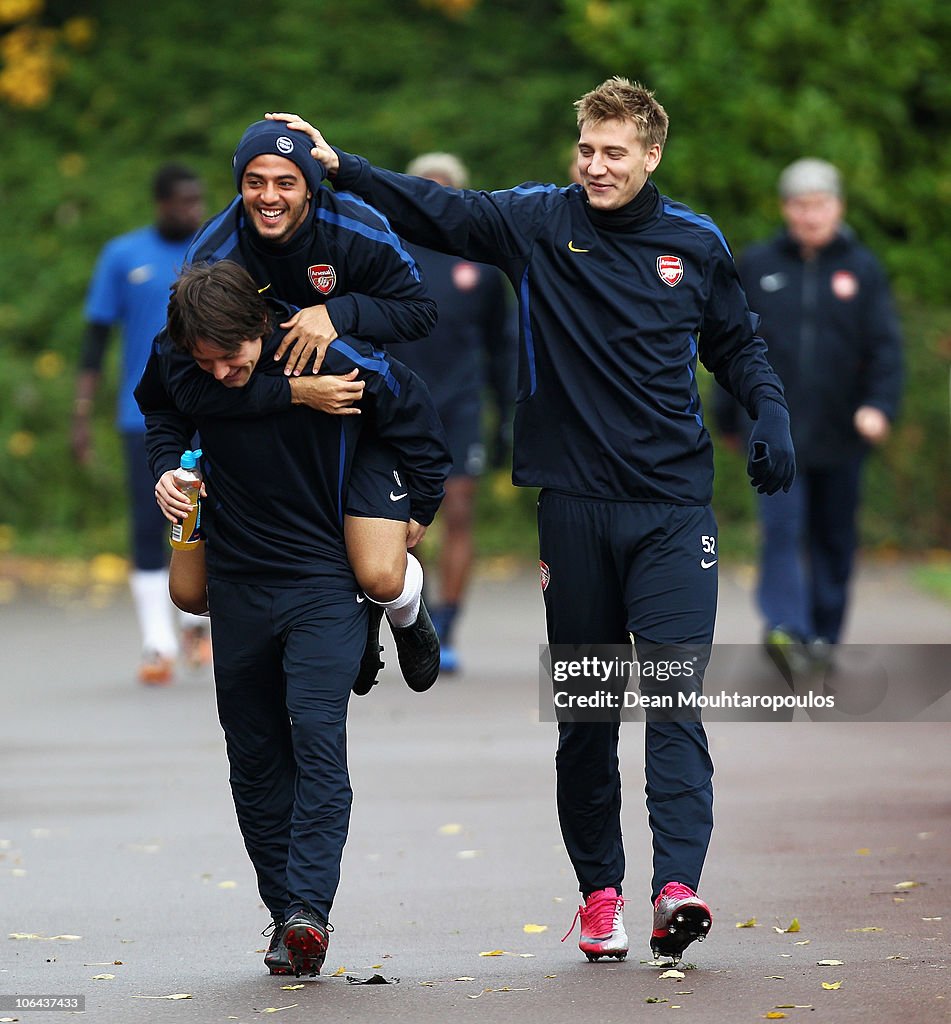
(833, 337)
(344, 256)
(473, 343)
(611, 326)
(277, 481)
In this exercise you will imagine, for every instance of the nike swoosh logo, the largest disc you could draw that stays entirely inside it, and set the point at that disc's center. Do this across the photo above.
(396, 497)
(571, 246)
(704, 564)
(360, 598)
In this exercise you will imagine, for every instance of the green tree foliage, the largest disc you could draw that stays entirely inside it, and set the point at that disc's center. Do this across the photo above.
(490, 81)
(752, 86)
(749, 87)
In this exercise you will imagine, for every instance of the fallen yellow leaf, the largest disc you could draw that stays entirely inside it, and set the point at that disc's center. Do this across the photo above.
(464, 978)
(291, 988)
(802, 942)
(338, 972)
(228, 885)
(829, 963)
(679, 975)
(275, 1009)
(452, 829)
(176, 995)
(534, 929)
(751, 923)
(774, 1015)
(863, 851)
(493, 952)
(831, 985)
(103, 977)
(376, 967)
(907, 885)
(468, 854)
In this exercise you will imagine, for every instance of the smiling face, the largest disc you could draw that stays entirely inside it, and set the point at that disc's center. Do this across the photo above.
(233, 369)
(275, 195)
(613, 162)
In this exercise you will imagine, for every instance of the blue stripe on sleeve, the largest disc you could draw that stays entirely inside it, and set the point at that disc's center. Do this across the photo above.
(700, 222)
(692, 408)
(350, 197)
(231, 239)
(374, 234)
(378, 363)
(527, 331)
(222, 250)
(530, 191)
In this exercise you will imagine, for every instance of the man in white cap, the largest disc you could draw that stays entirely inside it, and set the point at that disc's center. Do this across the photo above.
(834, 340)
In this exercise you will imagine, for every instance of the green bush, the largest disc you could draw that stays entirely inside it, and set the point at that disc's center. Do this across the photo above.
(748, 89)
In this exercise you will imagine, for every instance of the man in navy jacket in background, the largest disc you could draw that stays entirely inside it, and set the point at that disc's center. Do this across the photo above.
(833, 337)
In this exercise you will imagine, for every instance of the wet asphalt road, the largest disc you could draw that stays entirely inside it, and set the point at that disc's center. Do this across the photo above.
(116, 827)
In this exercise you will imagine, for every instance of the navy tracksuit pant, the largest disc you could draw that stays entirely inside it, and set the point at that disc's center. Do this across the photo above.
(808, 547)
(614, 569)
(149, 526)
(285, 659)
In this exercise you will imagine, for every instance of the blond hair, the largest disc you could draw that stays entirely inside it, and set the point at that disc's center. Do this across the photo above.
(622, 100)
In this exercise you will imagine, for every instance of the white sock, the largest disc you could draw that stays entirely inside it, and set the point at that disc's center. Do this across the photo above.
(402, 611)
(189, 621)
(154, 610)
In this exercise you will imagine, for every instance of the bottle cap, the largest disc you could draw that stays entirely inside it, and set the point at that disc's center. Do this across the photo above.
(189, 459)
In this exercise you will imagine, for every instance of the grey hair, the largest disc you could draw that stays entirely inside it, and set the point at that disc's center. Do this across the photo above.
(441, 165)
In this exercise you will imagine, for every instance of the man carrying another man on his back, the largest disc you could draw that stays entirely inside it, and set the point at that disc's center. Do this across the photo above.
(288, 617)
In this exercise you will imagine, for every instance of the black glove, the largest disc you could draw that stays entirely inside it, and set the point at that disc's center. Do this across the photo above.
(772, 461)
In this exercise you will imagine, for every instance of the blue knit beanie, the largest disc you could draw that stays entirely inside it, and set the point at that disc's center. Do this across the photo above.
(275, 137)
